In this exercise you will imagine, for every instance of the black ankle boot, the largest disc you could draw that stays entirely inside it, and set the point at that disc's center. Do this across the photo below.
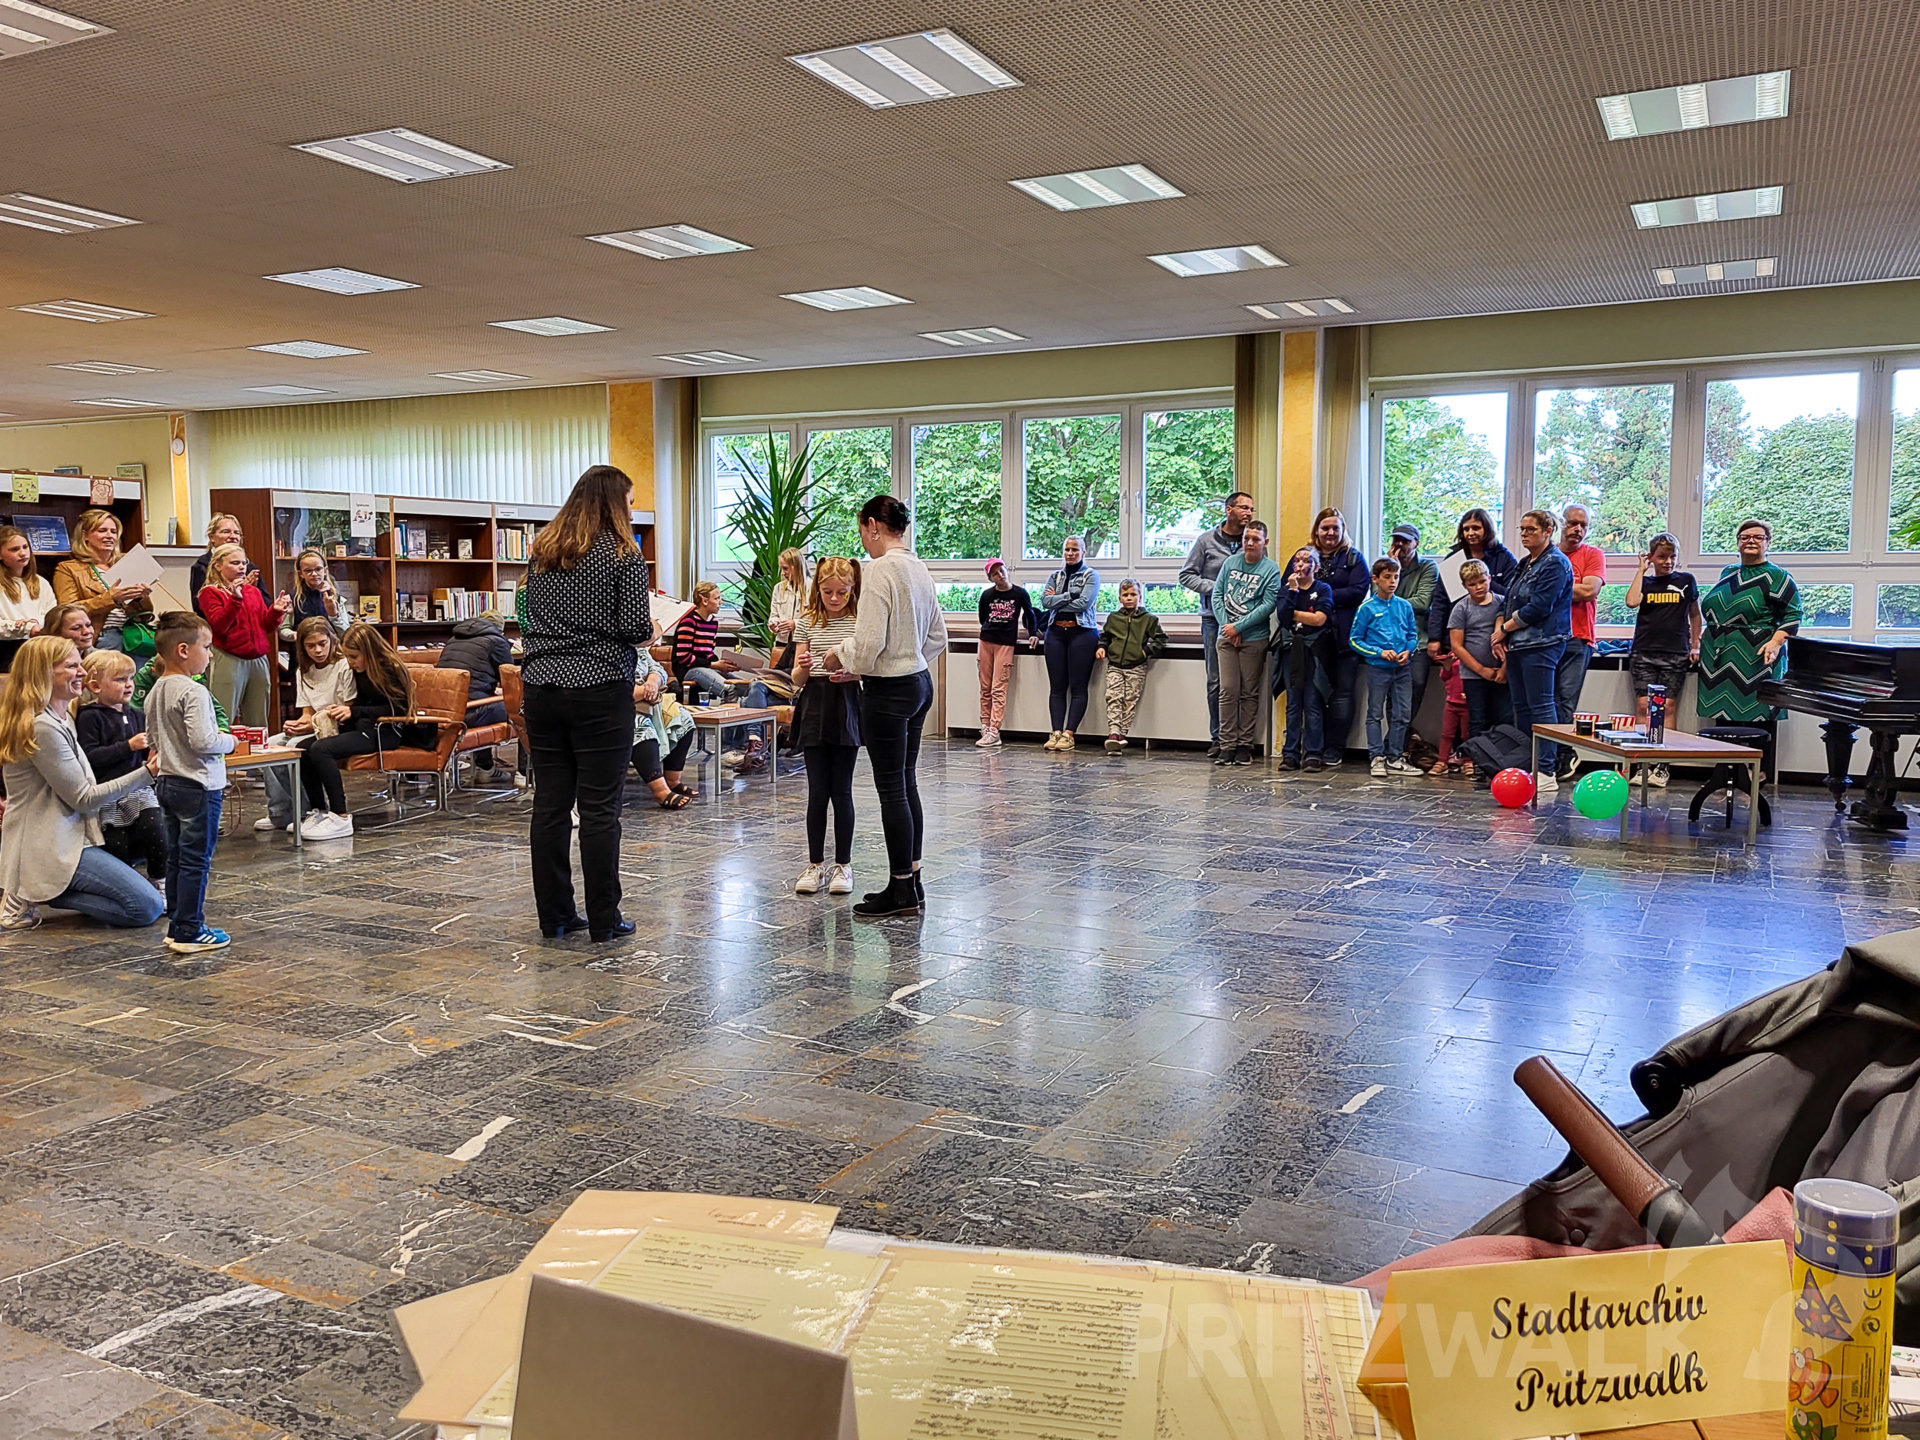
(919, 890)
(898, 898)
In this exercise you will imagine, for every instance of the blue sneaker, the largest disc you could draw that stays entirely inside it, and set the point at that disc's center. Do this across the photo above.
(207, 939)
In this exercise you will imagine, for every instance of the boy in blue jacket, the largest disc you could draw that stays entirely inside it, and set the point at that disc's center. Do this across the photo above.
(1385, 634)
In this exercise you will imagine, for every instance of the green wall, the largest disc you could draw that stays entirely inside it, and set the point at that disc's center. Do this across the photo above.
(1717, 327)
(964, 380)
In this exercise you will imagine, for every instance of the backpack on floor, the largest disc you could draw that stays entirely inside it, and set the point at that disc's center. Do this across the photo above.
(1504, 747)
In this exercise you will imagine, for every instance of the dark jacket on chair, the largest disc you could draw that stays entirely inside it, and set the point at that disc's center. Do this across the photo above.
(480, 649)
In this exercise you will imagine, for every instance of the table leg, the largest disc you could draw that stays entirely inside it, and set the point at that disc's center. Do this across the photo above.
(1753, 803)
(1627, 808)
(773, 749)
(299, 800)
(1533, 773)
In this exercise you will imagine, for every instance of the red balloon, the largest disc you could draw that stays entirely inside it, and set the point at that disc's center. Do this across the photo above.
(1513, 788)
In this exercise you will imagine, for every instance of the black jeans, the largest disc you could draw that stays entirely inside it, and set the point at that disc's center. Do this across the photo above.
(1342, 670)
(320, 768)
(144, 840)
(893, 709)
(646, 758)
(830, 782)
(582, 740)
(1069, 666)
(1488, 705)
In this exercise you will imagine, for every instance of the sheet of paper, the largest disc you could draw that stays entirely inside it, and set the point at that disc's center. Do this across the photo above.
(1008, 1351)
(1231, 1369)
(360, 517)
(1448, 567)
(667, 612)
(432, 1327)
(136, 567)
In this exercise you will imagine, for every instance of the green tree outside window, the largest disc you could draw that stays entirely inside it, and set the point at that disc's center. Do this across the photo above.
(1608, 449)
(850, 467)
(956, 490)
(1188, 457)
(1073, 485)
(1434, 467)
(1793, 470)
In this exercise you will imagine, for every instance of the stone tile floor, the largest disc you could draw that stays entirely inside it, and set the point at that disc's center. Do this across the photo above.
(1154, 1009)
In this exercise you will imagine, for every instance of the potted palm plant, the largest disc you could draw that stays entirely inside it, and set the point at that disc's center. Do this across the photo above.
(772, 514)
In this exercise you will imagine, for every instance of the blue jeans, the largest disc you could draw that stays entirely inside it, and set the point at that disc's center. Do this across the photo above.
(109, 891)
(1389, 699)
(1343, 670)
(1569, 675)
(1530, 676)
(1487, 704)
(712, 682)
(193, 825)
(1306, 716)
(1209, 638)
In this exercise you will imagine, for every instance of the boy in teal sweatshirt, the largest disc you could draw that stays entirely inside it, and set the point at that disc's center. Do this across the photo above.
(1244, 594)
(1385, 634)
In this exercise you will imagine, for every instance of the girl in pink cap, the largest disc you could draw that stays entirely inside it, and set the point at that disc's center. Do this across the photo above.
(1003, 608)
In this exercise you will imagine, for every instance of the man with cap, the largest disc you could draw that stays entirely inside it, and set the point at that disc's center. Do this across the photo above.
(1003, 606)
(1417, 580)
(1212, 550)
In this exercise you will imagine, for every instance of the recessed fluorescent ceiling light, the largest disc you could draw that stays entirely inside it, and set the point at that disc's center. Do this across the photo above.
(288, 390)
(854, 297)
(933, 65)
(1308, 309)
(1694, 107)
(1092, 189)
(115, 403)
(671, 242)
(478, 377)
(1761, 269)
(55, 216)
(403, 155)
(1699, 209)
(105, 367)
(983, 335)
(710, 357)
(1218, 262)
(550, 325)
(83, 310)
(308, 349)
(27, 29)
(337, 280)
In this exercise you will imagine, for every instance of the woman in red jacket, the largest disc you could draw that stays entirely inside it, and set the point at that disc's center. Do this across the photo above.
(243, 631)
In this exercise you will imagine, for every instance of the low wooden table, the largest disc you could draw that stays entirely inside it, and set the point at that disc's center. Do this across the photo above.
(1679, 747)
(265, 757)
(722, 718)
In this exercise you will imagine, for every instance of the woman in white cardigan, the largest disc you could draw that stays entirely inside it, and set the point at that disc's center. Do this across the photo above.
(783, 608)
(50, 846)
(24, 597)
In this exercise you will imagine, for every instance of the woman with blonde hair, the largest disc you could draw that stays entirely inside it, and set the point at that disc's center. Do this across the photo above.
(23, 599)
(587, 611)
(783, 610)
(382, 687)
(222, 529)
(82, 581)
(51, 848)
(826, 722)
(244, 627)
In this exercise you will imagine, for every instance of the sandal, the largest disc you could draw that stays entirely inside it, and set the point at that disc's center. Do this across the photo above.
(686, 790)
(676, 800)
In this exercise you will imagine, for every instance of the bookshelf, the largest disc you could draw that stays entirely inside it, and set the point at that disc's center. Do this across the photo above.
(63, 497)
(453, 553)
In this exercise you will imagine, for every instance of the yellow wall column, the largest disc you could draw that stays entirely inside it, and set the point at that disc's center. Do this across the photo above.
(184, 532)
(630, 436)
(1299, 370)
(1256, 421)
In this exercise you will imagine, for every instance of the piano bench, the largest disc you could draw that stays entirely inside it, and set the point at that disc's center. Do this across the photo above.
(1731, 777)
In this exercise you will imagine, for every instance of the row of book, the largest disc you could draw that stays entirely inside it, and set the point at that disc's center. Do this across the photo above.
(452, 603)
(514, 542)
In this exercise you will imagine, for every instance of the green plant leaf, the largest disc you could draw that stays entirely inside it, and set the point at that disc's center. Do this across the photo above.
(772, 514)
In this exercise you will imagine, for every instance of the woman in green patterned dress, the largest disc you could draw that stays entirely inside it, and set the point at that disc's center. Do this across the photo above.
(1749, 616)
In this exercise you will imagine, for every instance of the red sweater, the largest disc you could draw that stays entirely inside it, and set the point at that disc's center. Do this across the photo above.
(242, 624)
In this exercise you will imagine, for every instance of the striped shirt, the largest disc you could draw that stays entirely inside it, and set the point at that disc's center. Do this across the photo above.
(820, 638)
(693, 641)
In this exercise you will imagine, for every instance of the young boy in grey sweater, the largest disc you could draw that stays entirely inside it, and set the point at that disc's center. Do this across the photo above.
(193, 775)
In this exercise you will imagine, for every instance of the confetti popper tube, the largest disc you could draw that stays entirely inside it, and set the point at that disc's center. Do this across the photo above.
(1844, 1235)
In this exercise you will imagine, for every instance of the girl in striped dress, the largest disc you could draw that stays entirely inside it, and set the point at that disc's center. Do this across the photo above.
(826, 722)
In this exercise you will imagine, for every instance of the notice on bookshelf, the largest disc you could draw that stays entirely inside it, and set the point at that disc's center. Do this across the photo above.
(47, 534)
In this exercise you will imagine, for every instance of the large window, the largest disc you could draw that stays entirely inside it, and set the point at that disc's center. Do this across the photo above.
(1780, 448)
(849, 468)
(956, 490)
(1607, 449)
(1187, 471)
(1072, 469)
(1441, 455)
(731, 460)
(1903, 517)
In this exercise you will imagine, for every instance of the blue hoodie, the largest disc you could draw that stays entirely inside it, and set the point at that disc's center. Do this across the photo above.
(1384, 625)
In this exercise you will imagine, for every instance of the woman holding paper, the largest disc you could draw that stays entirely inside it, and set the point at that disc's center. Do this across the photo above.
(82, 581)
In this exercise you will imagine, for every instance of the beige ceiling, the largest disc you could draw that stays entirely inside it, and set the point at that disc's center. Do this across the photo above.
(1416, 158)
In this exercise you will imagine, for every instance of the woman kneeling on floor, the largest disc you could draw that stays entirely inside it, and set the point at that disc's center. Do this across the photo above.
(381, 687)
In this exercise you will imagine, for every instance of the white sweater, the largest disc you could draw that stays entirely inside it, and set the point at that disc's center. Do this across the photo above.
(15, 613)
(900, 628)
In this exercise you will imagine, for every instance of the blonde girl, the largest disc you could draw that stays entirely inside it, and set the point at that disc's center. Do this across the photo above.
(50, 848)
(23, 599)
(826, 722)
(244, 626)
(82, 580)
(789, 599)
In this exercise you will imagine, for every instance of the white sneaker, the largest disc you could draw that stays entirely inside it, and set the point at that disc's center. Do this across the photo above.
(809, 881)
(1399, 766)
(842, 882)
(1379, 767)
(16, 915)
(326, 826)
(988, 739)
(1545, 784)
(1658, 776)
(265, 823)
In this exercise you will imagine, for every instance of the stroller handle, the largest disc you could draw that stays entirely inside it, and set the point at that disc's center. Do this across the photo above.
(1651, 1198)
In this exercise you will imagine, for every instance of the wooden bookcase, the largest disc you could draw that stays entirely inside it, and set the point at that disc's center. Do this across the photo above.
(65, 496)
(307, 519)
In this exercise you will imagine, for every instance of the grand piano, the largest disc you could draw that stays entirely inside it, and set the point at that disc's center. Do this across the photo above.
(1852, 686)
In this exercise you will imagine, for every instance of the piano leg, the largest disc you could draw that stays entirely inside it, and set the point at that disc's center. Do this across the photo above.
(1880, 809)
(1839, 737)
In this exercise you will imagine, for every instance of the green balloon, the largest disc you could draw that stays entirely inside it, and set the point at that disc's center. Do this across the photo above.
(1601, 794)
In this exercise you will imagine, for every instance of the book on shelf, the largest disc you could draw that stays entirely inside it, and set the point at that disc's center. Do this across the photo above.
(46, 533)
(347, 595)
(513, 542)
(370, 608)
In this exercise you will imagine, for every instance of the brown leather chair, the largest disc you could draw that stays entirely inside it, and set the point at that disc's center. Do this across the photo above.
(439, 700)
(513, 692)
